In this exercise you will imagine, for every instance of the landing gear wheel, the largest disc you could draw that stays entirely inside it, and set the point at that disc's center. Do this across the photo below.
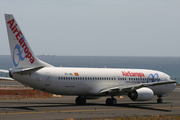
(114, 101)
(108, 101)
(159, 100)
(80, 100)
(111, 101)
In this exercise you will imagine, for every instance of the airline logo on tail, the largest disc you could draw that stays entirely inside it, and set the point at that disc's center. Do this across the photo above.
(21, 46)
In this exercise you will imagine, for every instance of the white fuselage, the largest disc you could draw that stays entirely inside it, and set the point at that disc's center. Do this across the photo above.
(90, 81)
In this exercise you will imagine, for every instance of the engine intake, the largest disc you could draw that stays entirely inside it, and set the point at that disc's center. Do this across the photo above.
(142, 94)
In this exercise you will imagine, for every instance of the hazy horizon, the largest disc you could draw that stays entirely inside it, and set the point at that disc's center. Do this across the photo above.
(95, 56)
(95, 27)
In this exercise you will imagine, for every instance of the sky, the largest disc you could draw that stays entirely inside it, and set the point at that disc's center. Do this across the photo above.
(96, 27)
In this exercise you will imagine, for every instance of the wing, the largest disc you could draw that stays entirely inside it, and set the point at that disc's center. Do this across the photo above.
(120, 90)
(5, 78)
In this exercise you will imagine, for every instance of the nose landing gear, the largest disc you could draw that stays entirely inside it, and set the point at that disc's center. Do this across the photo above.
(159, 100)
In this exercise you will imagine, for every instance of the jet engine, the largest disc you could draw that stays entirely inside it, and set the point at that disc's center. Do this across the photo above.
(142, 94)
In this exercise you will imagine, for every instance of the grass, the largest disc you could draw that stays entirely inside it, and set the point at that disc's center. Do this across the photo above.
(154, 117)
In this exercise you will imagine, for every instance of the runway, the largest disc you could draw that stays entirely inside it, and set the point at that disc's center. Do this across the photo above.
(65, 107)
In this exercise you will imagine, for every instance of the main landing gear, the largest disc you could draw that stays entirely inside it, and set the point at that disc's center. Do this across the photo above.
(80, 100)
(159, 100)
(111, 101)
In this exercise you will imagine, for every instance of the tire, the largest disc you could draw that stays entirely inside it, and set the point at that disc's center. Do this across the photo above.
(108, 101)
(114, 101)
(159, 100)
(80, 101)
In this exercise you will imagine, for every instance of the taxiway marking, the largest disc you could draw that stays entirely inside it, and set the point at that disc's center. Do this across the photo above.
(64, 111)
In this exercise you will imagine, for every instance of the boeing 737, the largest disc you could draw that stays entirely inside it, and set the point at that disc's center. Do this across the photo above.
(86, 83)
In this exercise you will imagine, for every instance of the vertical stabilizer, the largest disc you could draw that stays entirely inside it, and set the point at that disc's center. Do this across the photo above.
(21, 53)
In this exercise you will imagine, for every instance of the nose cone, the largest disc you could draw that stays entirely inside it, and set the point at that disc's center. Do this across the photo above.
(171, 87)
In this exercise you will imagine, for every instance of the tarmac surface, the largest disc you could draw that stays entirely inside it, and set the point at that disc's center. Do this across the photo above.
(65, 107)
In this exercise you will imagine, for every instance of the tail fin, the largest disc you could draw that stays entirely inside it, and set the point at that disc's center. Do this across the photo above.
(21, 53)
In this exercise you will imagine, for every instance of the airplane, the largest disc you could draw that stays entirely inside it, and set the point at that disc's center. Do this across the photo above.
(86, 83)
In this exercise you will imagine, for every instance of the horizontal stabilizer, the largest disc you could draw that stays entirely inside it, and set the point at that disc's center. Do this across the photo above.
(27, 70)
(4, 71)
(6, 78)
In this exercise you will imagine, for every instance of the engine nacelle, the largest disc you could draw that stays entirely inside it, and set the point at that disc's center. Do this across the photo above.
(142, 94)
